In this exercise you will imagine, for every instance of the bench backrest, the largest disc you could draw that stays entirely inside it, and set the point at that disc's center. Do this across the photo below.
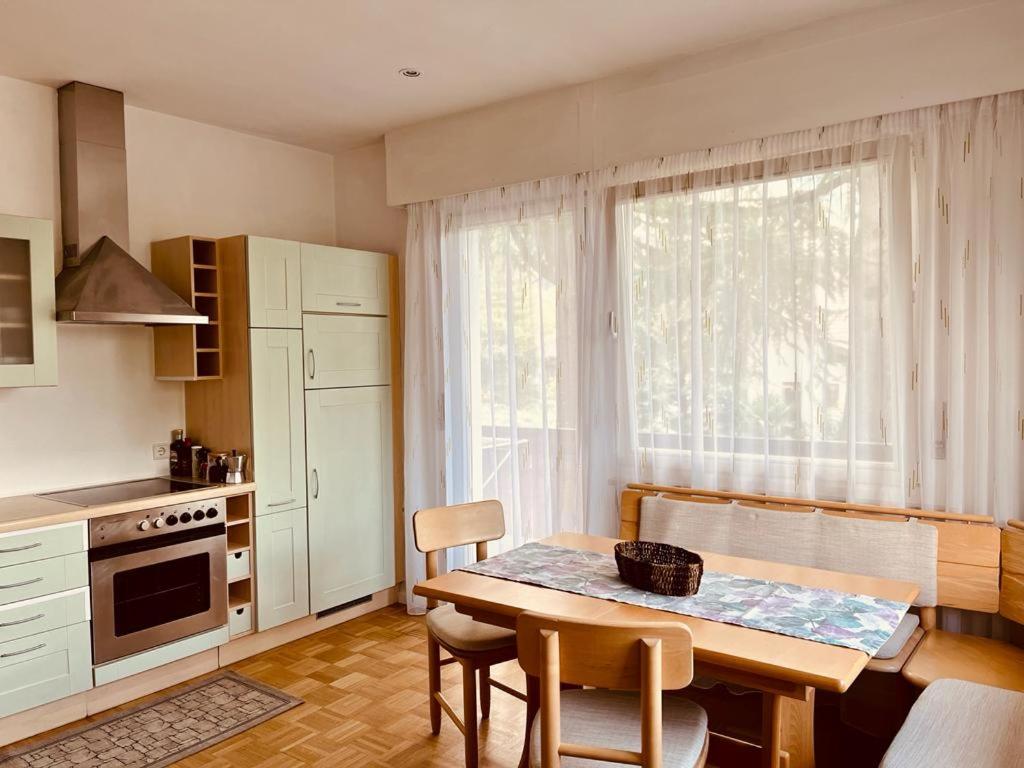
(1011, 590)
(955, 558)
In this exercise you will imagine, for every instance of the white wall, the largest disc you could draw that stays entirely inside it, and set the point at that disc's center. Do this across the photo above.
(362, 216)
(99, 423)
(889, 59)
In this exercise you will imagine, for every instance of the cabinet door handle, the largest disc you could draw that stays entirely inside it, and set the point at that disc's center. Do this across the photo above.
(21, 549)
(281, 503)
(19, 653)
(316, 485)
(312, 364)
(21, 621)
(21, 583)
(348, 303)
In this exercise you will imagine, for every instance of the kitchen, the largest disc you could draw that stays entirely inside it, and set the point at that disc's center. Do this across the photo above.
(107, 391)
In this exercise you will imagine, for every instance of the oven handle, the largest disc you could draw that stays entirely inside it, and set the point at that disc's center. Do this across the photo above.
(181, 536)
(21, 583)
(20, 653)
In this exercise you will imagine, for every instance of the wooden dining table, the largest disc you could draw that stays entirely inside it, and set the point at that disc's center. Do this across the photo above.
(787, 670)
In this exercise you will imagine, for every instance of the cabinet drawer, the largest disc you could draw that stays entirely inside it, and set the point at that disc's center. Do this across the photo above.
(41, 543)
(344, 351)
(45, 667)
(240, 620)
(30, 617)
(44, 577)
(343, 280)
(238, 565)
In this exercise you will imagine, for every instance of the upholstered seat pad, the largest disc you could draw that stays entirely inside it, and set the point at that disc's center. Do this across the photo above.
(611, 719)
(956, 723)
(892, 647)
(463, 633)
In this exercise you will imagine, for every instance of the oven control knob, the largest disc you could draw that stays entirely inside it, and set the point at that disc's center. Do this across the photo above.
(198, 514)
(185, 517)
(144, 525)
(158, 523)
(172, 519)
(211, 513)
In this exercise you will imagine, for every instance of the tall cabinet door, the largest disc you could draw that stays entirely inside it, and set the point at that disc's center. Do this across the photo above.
(275, 275)
(278, 419)
(282, 568)
(343, 280)
(351, 511)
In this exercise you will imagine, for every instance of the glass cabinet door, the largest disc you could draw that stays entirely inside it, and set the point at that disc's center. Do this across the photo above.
(28, 355)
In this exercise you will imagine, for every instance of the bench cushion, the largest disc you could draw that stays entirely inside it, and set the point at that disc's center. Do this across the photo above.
(956, 723)
(894, 645)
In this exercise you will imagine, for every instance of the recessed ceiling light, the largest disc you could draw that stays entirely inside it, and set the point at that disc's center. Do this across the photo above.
(409, 72)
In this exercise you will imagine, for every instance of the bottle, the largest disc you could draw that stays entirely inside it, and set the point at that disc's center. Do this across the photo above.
(177, 443)
(185, 459)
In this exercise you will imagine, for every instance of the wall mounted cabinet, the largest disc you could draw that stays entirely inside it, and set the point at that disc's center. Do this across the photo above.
(28, 325)
(343, 280)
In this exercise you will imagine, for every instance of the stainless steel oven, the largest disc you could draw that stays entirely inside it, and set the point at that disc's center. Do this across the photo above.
(157, 576)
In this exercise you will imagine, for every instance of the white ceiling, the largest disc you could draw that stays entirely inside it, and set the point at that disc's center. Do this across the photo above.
(324, 73)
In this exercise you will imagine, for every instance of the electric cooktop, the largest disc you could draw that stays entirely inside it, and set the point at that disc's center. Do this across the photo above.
(98, 495)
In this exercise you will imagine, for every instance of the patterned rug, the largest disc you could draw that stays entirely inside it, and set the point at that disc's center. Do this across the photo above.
(161, 732)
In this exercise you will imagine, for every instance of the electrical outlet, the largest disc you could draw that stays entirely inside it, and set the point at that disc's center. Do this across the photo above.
(161, 451)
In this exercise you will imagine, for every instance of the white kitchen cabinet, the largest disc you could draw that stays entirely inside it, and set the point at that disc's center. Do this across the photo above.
(343, 280)
(351, 512)
(278, 419)
(28, 323)
(275, 295)
(282, 568)
(346, 351)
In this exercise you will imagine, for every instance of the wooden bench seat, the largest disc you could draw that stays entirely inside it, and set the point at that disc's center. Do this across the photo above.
(965, 657)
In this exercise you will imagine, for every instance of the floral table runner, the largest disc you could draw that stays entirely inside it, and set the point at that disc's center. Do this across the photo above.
(861, 622)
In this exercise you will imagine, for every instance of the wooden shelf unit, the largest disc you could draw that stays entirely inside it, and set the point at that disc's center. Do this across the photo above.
(239, 522)
(190, 266)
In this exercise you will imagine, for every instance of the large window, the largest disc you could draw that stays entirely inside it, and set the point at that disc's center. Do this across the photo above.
(757, 299)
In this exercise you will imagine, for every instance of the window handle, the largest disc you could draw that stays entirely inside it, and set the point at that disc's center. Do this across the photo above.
(281, 503)
(19, 653)
(312, 364)
(316, 485)
(21, 549)
(21, 621)
(21, 583)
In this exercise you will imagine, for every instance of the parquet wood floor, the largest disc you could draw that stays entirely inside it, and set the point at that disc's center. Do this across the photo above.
(364, 684)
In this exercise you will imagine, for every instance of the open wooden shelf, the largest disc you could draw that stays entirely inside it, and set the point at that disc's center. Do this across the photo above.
(240, 532)
(190, 267)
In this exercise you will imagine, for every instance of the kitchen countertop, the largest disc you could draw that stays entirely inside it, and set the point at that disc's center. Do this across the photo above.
(21, 512)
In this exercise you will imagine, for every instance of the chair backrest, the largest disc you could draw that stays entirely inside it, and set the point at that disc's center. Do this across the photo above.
(904, 549)
(1011, 587)
(437, 528)
(644, 657)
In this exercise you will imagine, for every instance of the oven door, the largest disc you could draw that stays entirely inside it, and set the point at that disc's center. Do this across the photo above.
(153, 592)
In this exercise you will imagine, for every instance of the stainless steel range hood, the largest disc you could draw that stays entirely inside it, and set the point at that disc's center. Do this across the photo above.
(101, 282)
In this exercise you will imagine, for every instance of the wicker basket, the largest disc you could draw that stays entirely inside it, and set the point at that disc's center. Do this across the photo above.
(660, 568)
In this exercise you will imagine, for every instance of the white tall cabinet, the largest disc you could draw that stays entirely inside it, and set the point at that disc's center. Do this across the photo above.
(320, 383)
(346, 333)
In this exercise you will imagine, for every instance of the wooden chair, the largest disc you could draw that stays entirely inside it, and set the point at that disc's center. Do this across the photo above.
(612, 724)
(474, 645)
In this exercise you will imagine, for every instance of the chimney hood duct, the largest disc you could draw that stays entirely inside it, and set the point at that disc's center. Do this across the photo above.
(100, 282)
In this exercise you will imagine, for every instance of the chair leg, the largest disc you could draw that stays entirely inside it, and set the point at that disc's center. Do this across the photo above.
(434, 675)
(469, 713)
(485, 692)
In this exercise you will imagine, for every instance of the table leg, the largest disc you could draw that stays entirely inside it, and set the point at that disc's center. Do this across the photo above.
(532, 707)
(798, 730)
(771, 730)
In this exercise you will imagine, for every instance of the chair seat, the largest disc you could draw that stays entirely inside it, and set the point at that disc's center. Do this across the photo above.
(458, 631)
(956, 723)
(965, 657)
(611, 719)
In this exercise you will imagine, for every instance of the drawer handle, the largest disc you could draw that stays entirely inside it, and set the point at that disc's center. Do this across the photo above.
(348, 303)
(281, 503)
(240, 611)
(312, 364)
(316, 485)
(21, 583)
(19, 653)
(21, 621)
(237, 555)
(21, 549)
